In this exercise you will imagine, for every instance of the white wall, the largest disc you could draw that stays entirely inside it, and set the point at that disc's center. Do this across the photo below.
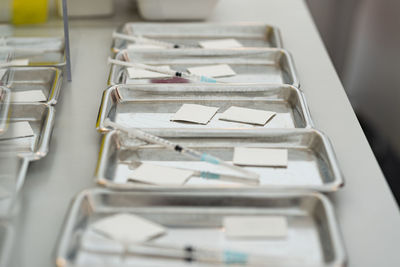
(363, 38)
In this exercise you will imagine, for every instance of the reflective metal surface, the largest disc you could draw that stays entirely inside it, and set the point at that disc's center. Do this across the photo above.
(41, 119)
(190, 34)
(70, 169)
(47, 79)
(40, 51)
(4, 107)
(34, 43)
(268, 65)
(196, 219)
(311, 160)
(151, 107)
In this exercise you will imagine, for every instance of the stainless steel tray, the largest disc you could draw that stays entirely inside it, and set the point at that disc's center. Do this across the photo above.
(151, 106)
(47, 79)
(268, 65)
(311, 160)
(4, 107)
(39, 51)
(189, 34)
(196, 219)
(34, 43)
(41, 119)
(27, 149)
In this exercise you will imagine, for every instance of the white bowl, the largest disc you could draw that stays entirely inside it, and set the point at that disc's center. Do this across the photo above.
(175, 9)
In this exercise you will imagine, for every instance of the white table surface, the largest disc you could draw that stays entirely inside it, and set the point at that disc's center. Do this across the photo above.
(365, 207)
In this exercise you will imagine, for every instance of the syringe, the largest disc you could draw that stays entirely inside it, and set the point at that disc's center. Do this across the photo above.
(195, 254)
(138, 39)
(174, 73)
(182, 150)
(209, 175)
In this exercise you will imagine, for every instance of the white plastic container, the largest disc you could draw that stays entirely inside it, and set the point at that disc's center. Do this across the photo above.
(175, 9)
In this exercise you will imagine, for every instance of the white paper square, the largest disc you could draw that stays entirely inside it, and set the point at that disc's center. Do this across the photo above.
(247, 115)
(136, 73)
(159, 175)
(195, 113)
(261, 157)
(128, 228)
(255, 227)
(28, 96)
(17, 130)
(215, 71)
(221, 43)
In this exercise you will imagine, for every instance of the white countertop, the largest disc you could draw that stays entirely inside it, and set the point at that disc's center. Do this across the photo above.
(365, 207)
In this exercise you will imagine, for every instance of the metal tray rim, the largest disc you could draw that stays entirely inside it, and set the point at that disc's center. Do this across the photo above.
(333, 186)
(60, 64)
(57, 64)
(286, 53)
(5, 111)
(55, 87)
(58, 82)
(101, 116)
(275, 29)
(49, 127)
(337, 240)
(43, 147)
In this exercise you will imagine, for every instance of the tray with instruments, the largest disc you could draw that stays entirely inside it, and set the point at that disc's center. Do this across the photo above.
(29, 129)
(200, 229)
(308, 162)
(28, 84)
(268, 65)
(32, 51)
(28, 134)
(33, 43)
(191, 35)
(152, 107)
